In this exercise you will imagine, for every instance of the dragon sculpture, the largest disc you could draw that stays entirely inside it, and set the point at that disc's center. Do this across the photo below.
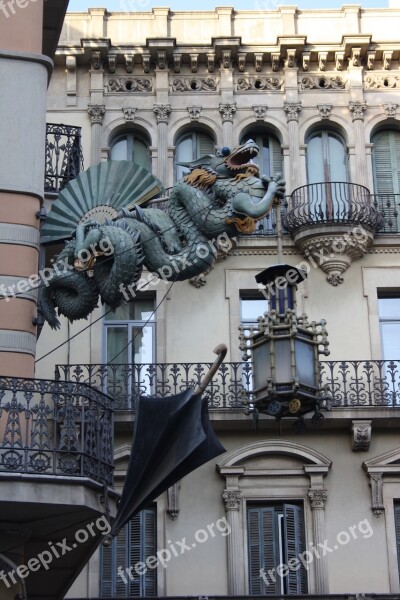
(220, 195)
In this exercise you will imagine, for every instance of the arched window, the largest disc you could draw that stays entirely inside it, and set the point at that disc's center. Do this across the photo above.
(270, 158)
(326, 158)
(189, 147)
(129, 146)
(386, 162)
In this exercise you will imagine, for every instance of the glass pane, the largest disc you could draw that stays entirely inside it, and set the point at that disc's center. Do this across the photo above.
(184, 153)
(139, 309)
(117, 342)
(337, 160)
(141, 154)
(315, 160)
(263, 159)
(389, 307)
(390, 340)
(261, 365)
(119, 150)
(283, 369)
(305, 363)
(142, 344)
(252, 308)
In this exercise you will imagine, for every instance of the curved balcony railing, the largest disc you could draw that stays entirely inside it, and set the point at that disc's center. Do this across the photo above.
(329, 203)
(353, 384)
(388, 206)
(55, 428)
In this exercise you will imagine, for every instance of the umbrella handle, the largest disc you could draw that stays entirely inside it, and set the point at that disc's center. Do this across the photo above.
(221, 350)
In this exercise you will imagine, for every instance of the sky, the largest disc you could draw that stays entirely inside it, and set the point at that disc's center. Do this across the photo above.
(145, 5)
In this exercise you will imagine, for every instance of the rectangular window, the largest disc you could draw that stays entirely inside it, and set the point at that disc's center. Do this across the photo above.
(252, 305)
(389, 320)
(133, 545)
(276, 536)
(130, 342)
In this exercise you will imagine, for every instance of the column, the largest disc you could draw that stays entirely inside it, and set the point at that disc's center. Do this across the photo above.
(96, 113)
(292, 110)
(227, 111)
(357, 110)
(233, 501)
(317, 500)
(162, 112)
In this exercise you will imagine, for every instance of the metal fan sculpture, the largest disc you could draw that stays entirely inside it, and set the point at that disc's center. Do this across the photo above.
(98, 194)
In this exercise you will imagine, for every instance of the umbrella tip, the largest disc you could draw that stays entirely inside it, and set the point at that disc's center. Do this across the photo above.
(107, 541)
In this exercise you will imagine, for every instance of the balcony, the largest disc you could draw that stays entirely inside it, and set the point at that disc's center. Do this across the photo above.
(387, 205)
(333, 223)
(351, 384)
(64, 158)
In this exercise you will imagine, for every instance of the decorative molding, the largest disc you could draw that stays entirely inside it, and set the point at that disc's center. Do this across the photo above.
(242, 61)
(381, 82)
(129, 114)
(339, 61)
(260, 111)
(10, 282)
(290, 61)
(306, 57)
(96, 60)
(258, 83)
(370, 60)
(194, 62)
(275, 59)
(387, 59)
(324, 110)
(357, 110)
(162, 60)
(17, 341)
(70, 66)
(361, 435)
(227, 112)
(162, 112)
(232, 499)
(211, 62)
(194, 112)
(226, 59)
(356, 57)
(19, 235)
(258, 61)
(146, 63)
(96, 113)
(112, 62)
(129, 62)
(376, 484)
(129, 85)
(322, 82)
(173, 505)
(390, 109)
(317, 499)
(194, 84)
(177, 63)
(292, 110)
(322, 59)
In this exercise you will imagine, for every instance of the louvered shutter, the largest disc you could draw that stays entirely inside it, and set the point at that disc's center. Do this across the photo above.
(205, 145)
(386, 182)
(294, 545)
(121, 560)
(149, 539)
(397, 530)
(262, 549)
(276, 156)
(106, 571)
(135, 554)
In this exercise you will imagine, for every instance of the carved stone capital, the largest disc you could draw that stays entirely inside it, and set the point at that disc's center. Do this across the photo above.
(162, 112)
(376, 483)
(194, 112)
(227, 111)
(390, 109)
(324, 110)
(292, 110)
(232, 499)
(357, 110)
(129, 114)
(317, 499)
(96, 113)
(361, 435)
(260, 111)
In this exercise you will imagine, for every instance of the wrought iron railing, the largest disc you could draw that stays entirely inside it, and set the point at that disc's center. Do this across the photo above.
(55, 428)
(388, 206)
(331, 202)
(353, 384)
(64, 158)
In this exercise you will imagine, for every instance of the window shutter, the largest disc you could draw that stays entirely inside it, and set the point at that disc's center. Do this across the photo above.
(276, 156)
(121, 560)
(382, 163)
(106, 571)
(296, 581)
(262, 550)
(135, 554)
(205, 145)
(397, 530)
(149, 538)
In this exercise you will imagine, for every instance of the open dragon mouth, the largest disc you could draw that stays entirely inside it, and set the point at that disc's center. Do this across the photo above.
(243, 157)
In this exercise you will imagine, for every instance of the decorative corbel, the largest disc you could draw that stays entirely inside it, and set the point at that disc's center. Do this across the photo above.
(305, 60)
(322, 58)
(325, 110)
(370, 60)
(361, 435)
(275, 58)
(161, 59)
(70, 65)
(194, 62)
(173, 506)
(129, 114)
(112, 63)
(129, 62)
(194, 112)
(242, 61)
(226, 59)
(387, 59)
(146, 63)
(211, 62)
(290, 62)
(339, 60)
(258, 61)
(177, 63)
(356, 57)
(260, 112)
(390, 109)
(96, 60)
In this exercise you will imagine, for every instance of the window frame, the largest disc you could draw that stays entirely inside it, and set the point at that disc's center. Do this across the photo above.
(130, 136)
(193, 133)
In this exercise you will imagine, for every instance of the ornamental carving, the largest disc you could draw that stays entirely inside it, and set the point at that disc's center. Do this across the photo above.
(306, 56)
(96, 113)
(325, 110)
(260, 112)
(275, 58)
(376, 484)
(259, 83)
(177, 63)
(357, 110)
(129, 84)
(322, 82)
(162, 112)
(390, 109)
(339, 60)
(194, 84)
(361, 435)
(317, 498)
(227, 111)
(232, 499)
(292, 110)
(194, 112)
(381, 82)
(129, 114)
